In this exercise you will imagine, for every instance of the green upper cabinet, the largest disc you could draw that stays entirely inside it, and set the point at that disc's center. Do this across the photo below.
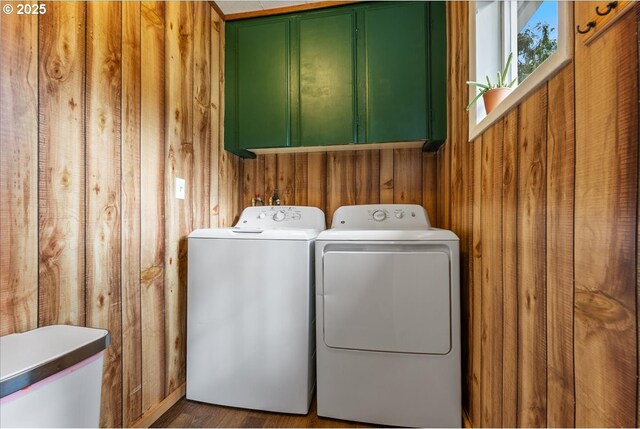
(326, 52)
(257, 98)
(394, 58)
(364, 73)
(401, 72)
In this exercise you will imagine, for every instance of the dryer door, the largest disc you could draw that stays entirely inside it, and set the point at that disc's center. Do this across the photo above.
(387, 300)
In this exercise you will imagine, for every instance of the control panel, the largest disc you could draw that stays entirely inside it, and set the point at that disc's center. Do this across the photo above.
(381, 216)
(268, 217)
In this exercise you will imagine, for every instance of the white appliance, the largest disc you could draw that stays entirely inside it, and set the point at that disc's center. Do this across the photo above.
(388, 318)
(250, 310)
(52, 377)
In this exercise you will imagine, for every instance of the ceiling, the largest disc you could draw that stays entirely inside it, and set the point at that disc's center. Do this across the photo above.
(240, 6)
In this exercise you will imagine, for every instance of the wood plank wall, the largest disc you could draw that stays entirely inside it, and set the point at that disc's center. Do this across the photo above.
(102, 105)
(545, 202)
(333, 179)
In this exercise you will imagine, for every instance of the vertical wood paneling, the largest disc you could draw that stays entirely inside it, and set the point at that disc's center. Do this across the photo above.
(18, 173)
(430, 187)
(536, 191)
(559, 251)
(340, 181)
(217, 116)
(285, 165)
(459, 189)
(201, 115)
(386, 176)
(253, 180)
(130, 189)
(179, 163)
(441, 185)
(328, 180)
(491, 267)
(461, 151)
(152, 203)
(566, 321)
(103, 194)
(229, 166)
(85, 102)
(237, 193)
(249, 177)
(510, 270)
(474, 382)
(407, 176)
(61, 184)
(445, 193)
(301, 179)
(606, 181)
(270, 176)
(367, 177)
(317, 181)
(531, 230)
(230, 178)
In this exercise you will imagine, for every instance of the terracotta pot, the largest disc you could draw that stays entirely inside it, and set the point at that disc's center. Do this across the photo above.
(493, 97)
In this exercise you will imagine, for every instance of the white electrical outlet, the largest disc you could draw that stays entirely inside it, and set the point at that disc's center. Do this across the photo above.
(180, 188)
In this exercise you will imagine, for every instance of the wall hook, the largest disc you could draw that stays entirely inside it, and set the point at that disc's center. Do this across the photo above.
(610, 6)
(590, 25)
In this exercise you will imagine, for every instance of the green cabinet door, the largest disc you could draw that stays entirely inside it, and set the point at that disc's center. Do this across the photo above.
(258, 107)
(326, 98)
(393, 53)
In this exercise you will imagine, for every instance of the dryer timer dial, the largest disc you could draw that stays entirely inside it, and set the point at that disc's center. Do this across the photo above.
(379, 215)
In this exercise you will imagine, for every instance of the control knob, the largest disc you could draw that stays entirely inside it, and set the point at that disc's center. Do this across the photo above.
(279, 216)
(399, 215)
(379, 215)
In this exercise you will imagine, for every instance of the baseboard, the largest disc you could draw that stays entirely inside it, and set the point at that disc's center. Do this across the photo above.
(154, 413)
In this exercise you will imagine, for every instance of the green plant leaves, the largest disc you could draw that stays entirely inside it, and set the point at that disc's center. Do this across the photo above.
(500, 82)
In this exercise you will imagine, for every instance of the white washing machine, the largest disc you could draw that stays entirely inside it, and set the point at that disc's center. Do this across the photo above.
(250, 310)
(388, 318)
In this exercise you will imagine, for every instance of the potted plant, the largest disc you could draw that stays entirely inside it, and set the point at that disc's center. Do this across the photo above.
(493, 93)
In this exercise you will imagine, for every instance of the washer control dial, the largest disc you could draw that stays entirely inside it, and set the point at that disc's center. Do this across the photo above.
(379, 215)
(279, 216)
(399, 215)
(262, 215)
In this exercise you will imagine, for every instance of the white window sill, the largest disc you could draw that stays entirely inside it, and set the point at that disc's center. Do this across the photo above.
(543, 73)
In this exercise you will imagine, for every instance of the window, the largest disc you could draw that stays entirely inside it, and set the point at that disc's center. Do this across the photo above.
(537, 33)
(537, 36)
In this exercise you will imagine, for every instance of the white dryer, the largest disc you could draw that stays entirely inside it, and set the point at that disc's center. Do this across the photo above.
(388, 318)
(250, 310)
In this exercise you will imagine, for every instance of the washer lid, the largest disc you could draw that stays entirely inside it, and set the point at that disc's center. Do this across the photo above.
(34, 355)
(244, 233)
(271, 223)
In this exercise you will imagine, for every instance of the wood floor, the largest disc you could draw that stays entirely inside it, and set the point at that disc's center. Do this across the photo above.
(199, 415)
